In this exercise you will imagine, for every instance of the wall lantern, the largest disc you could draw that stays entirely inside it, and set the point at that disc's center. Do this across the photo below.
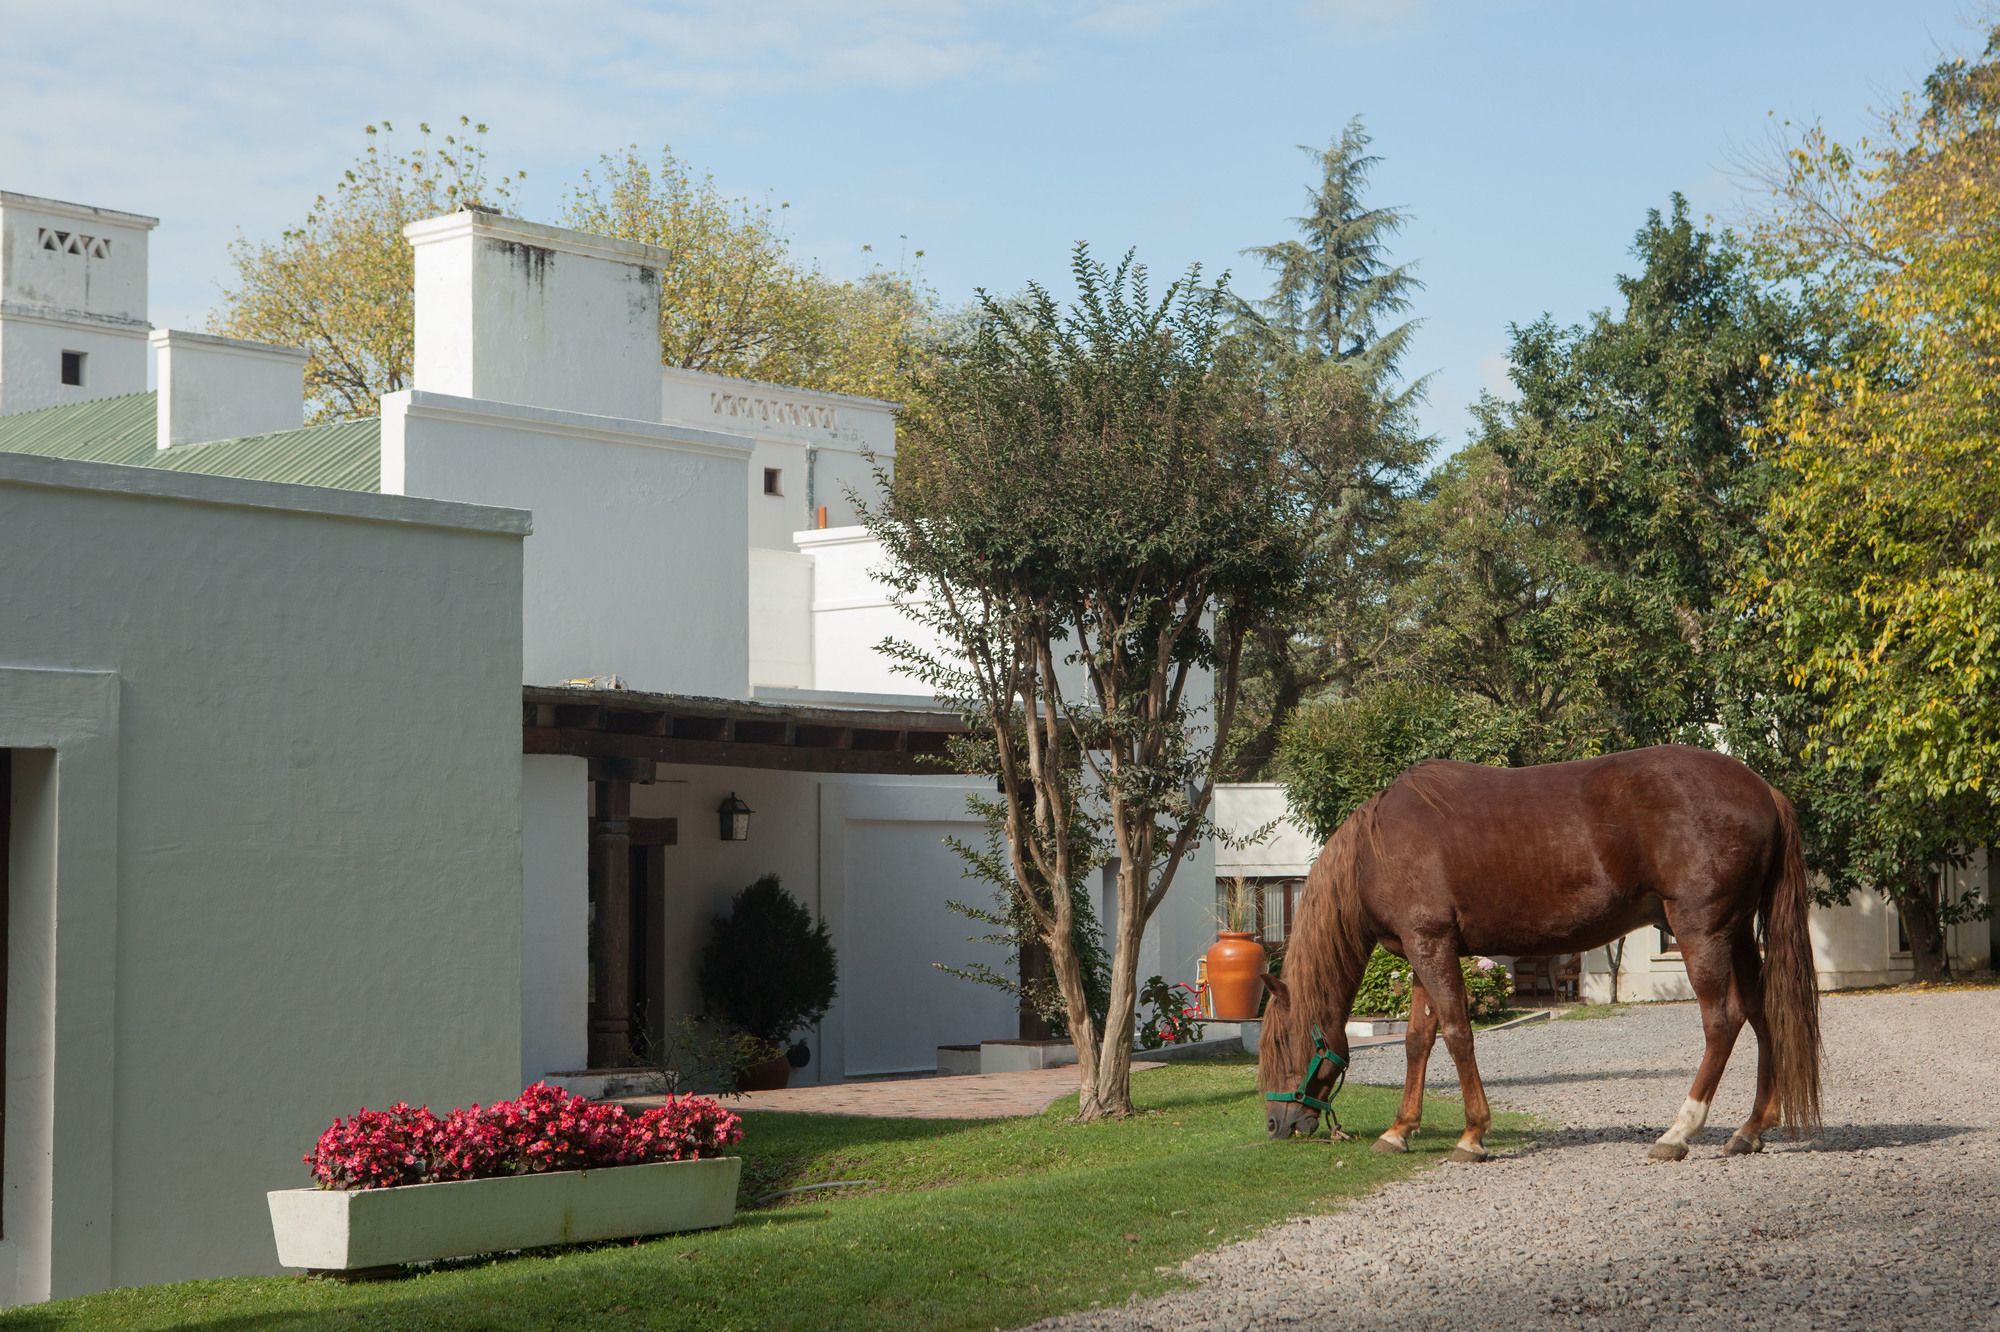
(735, 819)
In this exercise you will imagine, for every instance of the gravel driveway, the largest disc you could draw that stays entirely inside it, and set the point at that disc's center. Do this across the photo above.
(1891, 1220)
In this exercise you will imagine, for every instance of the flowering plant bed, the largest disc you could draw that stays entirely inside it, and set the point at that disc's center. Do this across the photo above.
(404, 1185)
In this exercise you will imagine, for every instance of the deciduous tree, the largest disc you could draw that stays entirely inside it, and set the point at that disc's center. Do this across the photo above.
(1092, 511)
(1884, 582)
(733, 298)
(339, 284)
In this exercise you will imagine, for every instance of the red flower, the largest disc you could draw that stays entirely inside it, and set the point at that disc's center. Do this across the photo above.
(544, 1128)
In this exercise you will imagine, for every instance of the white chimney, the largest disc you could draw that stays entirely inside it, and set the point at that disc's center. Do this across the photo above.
(513, 311)
(221, 388)
(72, 302)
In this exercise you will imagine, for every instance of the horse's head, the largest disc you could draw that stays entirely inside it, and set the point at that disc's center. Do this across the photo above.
(1298, 1063)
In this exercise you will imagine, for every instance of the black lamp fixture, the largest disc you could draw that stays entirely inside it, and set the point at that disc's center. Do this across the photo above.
(734, 816)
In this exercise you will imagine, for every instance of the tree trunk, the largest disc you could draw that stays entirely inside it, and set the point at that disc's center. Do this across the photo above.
(1614, 953)
(1082, 1031)
(1105, 1091)
(1918, 902)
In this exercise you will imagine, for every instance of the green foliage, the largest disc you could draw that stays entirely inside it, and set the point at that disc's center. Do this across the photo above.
(1882, 585)
(1334, 288)
(768, 966)
(1633, 429)
(1388, 982)
(1335, 754)
(1174, 1019)
(339, 285)
(1501, 604)
(1115, 494)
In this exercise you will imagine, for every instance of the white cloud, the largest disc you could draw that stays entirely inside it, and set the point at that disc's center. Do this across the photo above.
(217, 117)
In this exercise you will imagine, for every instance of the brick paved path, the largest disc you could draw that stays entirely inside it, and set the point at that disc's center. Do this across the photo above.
(969, 1096)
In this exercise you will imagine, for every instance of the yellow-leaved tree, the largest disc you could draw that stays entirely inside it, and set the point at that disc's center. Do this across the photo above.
(1884, 574)
(733, 299)
(338, 285)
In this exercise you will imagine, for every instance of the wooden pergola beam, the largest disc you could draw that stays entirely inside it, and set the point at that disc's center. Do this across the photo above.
(631, 728)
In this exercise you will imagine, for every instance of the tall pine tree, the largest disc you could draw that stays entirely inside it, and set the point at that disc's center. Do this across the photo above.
(1335, 322)
(1335, 295)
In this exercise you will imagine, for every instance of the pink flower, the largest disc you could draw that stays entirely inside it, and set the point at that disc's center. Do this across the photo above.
(544, 1128)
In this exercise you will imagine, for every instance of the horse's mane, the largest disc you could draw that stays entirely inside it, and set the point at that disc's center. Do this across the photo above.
(1330, 940)
(1430, 781)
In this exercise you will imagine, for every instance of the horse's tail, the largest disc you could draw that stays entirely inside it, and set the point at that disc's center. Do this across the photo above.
(1791, 986)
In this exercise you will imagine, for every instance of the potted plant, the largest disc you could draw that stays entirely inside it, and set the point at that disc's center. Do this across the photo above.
(769, 970)
(404, 1185)
(1236, 959)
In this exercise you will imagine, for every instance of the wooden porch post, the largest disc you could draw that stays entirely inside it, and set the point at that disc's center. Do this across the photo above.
(611, 923)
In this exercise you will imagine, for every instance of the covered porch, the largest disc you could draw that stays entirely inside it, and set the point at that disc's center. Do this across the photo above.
(646, 769)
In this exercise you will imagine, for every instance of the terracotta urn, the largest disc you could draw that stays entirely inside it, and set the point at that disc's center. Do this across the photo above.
(1235, 975)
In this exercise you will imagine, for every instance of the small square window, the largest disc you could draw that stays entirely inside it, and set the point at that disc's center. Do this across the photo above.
(72, 368)
(774, 480)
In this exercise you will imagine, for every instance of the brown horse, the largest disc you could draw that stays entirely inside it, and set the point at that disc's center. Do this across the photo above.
(1454, 859)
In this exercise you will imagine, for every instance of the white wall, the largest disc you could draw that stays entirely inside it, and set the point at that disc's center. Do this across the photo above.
(639, 563)
(851, 615)
(555, 913)
(224, 388)
(1285, 850)
(513, 311)
(819, 442)
(781, 620)
(56, 300)
(285, 727)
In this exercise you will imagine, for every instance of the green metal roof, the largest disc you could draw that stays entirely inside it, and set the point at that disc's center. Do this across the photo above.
(343, 455)
(109, 430)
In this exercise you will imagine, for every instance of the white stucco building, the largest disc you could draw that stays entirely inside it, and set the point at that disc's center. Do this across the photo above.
(587, 599)
(1857, 944)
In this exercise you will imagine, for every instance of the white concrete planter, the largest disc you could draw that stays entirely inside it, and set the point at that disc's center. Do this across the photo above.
(1021, 1056)
(347, 1230)
(1367, 1028)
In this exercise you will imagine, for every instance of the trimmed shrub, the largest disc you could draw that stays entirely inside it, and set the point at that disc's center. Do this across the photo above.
(1335, 753)
(1387, 984)
(769, 966)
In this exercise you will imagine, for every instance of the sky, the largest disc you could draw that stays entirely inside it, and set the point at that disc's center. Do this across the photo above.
(1526, 140)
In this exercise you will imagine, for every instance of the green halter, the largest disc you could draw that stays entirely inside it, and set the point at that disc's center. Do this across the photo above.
(1322, 1054)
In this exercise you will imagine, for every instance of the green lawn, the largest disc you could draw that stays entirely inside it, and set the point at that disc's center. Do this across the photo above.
(970, 1224)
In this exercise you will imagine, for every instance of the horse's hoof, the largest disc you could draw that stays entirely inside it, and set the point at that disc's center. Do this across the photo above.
(1739, 1145)
(1389, 1147)
(1466, 1156)
(1668, 1151)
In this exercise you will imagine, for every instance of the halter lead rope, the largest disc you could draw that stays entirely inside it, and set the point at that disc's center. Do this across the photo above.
(1322, 1054)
